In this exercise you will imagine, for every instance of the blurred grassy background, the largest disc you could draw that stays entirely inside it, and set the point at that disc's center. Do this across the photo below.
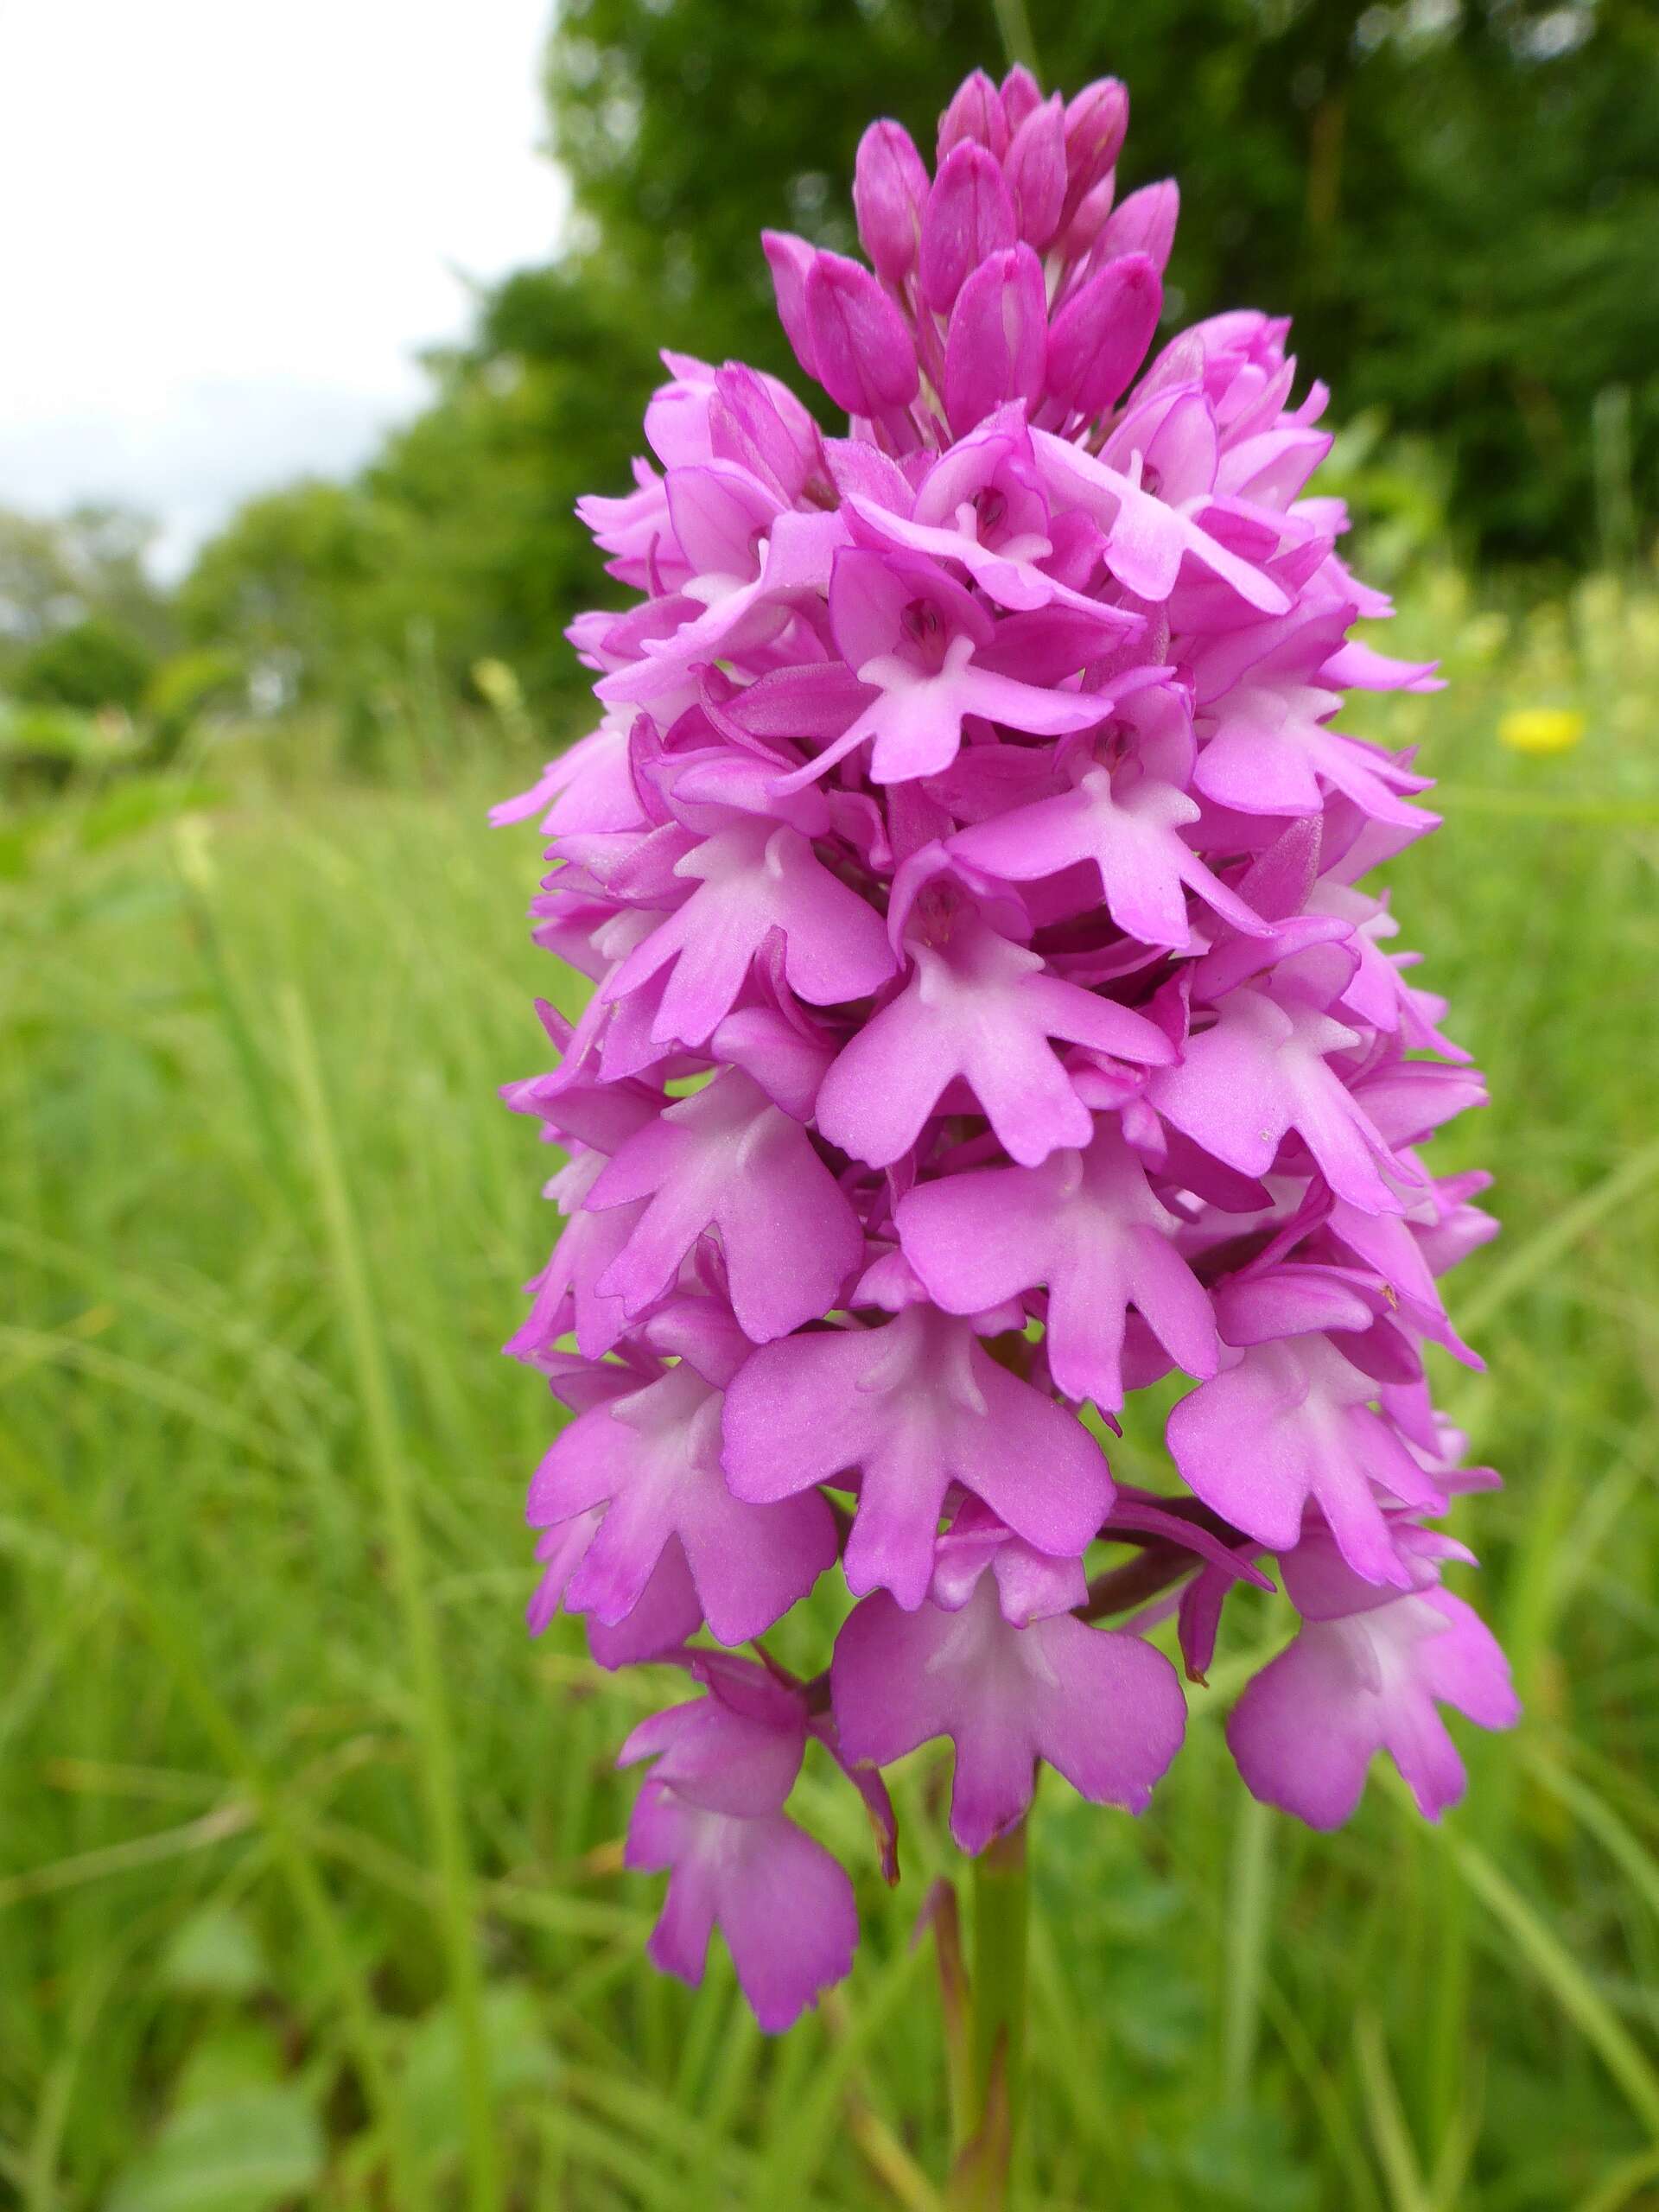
(308, 1855)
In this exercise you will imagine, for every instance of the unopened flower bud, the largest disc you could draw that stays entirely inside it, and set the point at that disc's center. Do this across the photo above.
(1036, 172)
(890, 188)
(974, 115)
(970, 217)
(999, 331)
(1144, 223)
(1097, 123)
(865, 356)
(1100, 335)
(789, 259)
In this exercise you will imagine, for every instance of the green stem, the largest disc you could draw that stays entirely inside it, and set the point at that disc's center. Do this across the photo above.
(1014, 24)
(1249, 1925)
(956, 2011)
(1001, 1890)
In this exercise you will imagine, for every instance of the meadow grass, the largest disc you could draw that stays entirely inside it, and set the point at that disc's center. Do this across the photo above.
(311, 1889)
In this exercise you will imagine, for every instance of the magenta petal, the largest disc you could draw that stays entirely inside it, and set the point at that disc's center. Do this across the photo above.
(1104, 1708)
(1089, 1227)
(1306, 1728)
(737, 1750)
(1262, 1071)
(728, 1159)
(653, 1460)
(786, 1911)
(783, 1905)
(981, 1009)
(914, 1405)
(668, 1615)
(1288, 1424)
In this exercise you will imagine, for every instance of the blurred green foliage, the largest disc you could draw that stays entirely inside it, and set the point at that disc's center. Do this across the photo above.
(89, 564)
(89, 664)
(1457, 200)
(91, 672)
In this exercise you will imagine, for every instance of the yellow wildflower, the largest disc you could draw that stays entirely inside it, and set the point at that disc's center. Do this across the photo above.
(1542, 729)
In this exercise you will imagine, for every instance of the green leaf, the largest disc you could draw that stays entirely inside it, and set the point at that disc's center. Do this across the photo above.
(129, 809)
(241, 2153)
(237, 2056)
(1237, 2159)
(520, 2060)
(214, 1954)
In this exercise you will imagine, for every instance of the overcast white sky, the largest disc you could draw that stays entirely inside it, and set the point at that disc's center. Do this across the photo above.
(226, 227)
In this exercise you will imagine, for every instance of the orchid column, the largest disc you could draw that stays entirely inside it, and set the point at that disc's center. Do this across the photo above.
(987, 1022)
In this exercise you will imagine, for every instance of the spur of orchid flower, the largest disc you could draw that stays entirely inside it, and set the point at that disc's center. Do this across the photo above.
(987, 1022)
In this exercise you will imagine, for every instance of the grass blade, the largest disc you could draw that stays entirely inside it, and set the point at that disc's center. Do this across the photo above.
(457, 1911)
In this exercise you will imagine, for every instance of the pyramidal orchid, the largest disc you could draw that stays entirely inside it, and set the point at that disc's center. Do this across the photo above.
(986, 1022)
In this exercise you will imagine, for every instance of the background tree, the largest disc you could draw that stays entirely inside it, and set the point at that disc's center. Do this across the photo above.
(86, 571)
(89, 665)
(1458, 200)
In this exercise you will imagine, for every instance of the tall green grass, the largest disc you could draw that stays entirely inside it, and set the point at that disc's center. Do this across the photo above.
(309, 1872)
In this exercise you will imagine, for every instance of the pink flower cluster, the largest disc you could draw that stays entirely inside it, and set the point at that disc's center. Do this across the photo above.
(985, 1022)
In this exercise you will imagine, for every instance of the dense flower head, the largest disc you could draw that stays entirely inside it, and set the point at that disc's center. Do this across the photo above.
(986, 1022)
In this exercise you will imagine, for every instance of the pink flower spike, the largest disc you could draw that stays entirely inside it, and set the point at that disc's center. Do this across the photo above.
(985, 1014)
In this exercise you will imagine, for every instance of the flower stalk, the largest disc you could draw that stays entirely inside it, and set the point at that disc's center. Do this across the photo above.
(1002, 1934)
